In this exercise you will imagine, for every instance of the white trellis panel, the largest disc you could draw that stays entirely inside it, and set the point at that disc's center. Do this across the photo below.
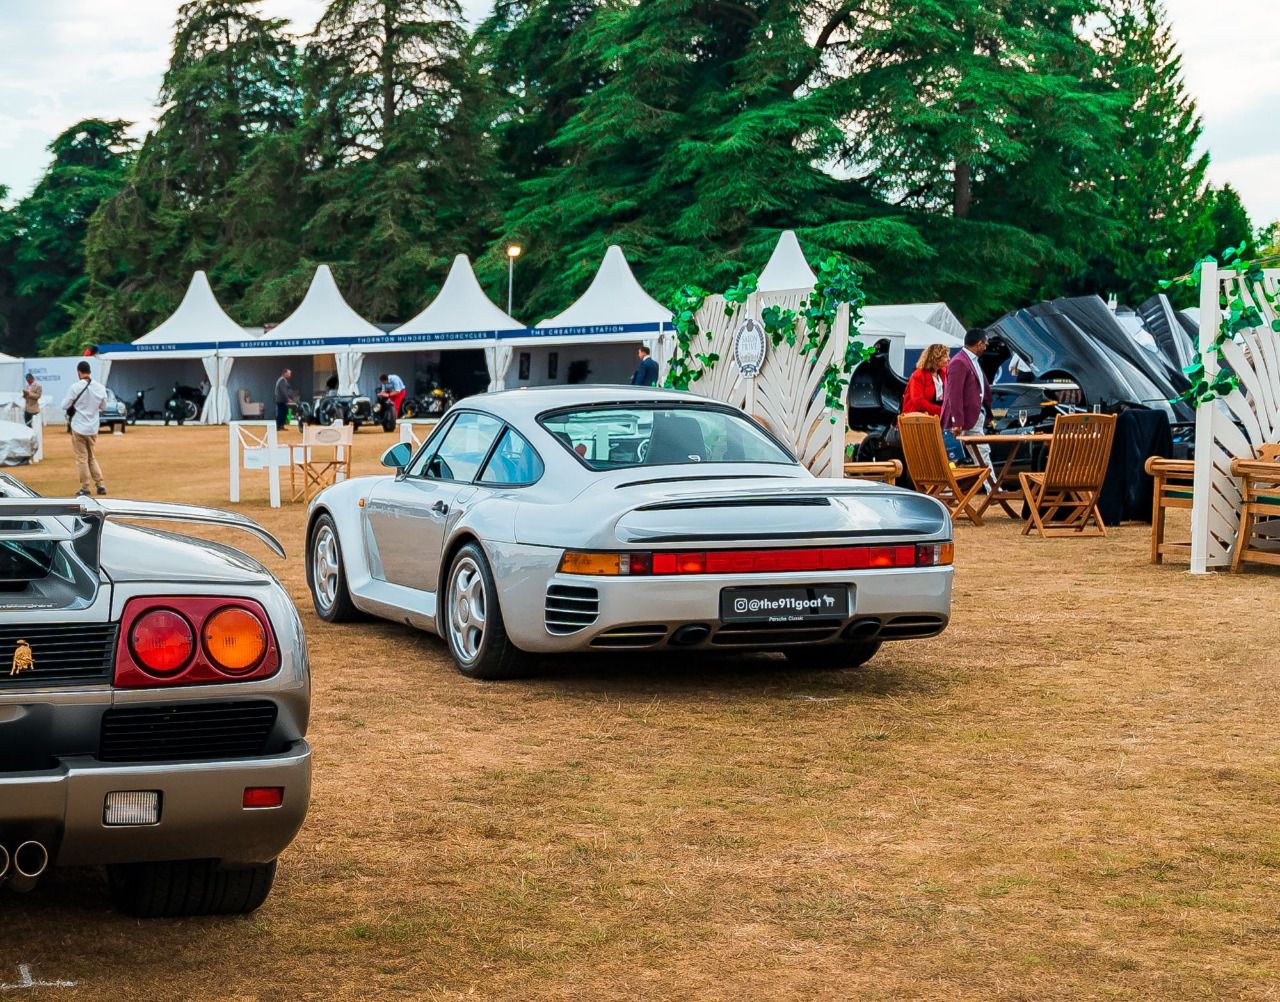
(786, 396)
(1236, 425)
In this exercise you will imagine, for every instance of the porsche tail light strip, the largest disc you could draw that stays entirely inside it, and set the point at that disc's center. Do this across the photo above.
(193, 640)
(819, 558)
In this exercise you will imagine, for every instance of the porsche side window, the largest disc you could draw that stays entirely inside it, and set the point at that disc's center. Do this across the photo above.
(418, 465)
(463, 448)
(513, 462)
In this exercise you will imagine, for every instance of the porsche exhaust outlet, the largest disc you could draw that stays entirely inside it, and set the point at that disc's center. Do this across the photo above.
(4, 864)
(690, 634)
(29, 860)
(862, 630)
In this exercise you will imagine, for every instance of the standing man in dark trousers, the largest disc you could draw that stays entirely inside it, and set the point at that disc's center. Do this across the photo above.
(284, 396)
(646, 373)
(966, 396)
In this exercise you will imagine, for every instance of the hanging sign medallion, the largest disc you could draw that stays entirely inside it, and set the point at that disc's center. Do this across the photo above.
(748, 348)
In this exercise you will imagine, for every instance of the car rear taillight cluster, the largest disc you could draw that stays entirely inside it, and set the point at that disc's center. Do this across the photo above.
(823, 558)
(193, 640)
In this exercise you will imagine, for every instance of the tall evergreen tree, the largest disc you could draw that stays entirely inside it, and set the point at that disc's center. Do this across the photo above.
(229, 85)
(705, 136)
(88, 167)
(399, 122)
(1155, 188)
(1229, 224)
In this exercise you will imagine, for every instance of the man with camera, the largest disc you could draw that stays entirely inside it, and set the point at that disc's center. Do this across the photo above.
(84, 401)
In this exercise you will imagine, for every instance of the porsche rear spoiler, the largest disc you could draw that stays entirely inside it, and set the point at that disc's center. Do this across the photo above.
(18, 512)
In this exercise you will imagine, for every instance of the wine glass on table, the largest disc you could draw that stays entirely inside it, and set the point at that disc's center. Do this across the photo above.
(1022, 420)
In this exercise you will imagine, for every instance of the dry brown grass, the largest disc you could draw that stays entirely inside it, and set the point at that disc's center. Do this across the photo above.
(1070, 794)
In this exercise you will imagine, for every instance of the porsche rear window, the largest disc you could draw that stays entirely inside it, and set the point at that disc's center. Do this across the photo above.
(614, 438)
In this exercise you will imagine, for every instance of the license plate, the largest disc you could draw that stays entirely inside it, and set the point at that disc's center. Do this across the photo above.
(784, 605)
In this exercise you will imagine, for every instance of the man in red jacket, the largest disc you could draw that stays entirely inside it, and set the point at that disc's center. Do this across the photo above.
(966, 398)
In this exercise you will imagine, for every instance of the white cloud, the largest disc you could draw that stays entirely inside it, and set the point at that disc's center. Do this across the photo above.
(64, 60)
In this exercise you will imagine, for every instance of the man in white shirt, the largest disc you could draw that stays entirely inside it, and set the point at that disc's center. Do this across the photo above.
(84, 401)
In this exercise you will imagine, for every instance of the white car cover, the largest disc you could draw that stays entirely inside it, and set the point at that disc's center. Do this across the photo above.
(17, 443)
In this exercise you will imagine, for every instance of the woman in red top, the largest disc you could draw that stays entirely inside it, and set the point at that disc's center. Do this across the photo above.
(924, 388)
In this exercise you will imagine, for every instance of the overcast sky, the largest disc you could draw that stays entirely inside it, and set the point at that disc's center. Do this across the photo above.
(64, 60)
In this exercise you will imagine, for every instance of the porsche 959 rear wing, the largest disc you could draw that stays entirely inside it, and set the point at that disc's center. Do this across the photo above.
(19, 509)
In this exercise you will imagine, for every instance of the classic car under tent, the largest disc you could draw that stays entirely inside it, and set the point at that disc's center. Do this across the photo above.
(594, 340)
(321, 337)
(183, 349)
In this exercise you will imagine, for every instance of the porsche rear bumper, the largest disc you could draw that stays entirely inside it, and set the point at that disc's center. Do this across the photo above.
(648, 612)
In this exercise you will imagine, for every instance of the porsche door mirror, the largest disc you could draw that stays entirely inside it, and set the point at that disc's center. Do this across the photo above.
(398, 456)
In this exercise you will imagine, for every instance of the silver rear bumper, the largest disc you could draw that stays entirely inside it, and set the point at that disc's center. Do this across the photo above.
(201, 809)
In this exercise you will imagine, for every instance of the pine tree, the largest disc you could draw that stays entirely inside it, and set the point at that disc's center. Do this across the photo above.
(88, 167)
(1155, 187)
(229, 84)
(399, 122)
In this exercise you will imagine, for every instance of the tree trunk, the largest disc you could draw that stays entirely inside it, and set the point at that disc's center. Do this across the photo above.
(963, 194)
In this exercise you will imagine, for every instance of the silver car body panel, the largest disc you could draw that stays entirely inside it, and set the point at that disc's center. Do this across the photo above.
(202, 815)
(395, 548)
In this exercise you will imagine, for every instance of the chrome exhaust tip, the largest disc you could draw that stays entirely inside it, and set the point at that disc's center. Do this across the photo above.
(30, 859)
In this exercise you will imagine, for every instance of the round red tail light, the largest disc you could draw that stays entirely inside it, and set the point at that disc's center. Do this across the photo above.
(162, 641)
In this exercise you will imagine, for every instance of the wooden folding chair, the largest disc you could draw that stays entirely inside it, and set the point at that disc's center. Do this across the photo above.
(931, 471)
(325, 455)
(1172, 482)
(887, 471)
(1064, 498)
(1258, 538)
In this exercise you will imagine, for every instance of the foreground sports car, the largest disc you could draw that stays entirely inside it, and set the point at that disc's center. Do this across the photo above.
(154, 693)
(612, 518)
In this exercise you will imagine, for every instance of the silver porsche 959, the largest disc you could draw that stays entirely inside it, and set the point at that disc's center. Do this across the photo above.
(616, 518)
(154, 693)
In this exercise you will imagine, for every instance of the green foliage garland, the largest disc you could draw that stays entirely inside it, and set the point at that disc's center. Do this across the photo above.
(1237, 313)
(837, 284)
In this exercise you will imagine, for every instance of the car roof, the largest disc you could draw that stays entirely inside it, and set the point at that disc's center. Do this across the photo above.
(526, 403)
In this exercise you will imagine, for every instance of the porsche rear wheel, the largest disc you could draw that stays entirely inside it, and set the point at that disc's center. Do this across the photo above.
(846, 655)
(327, 574)
(472, 621)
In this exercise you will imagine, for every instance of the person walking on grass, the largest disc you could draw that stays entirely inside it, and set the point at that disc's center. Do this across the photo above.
(31, 399)
(85, 400)
(284, 396)
(966, 397)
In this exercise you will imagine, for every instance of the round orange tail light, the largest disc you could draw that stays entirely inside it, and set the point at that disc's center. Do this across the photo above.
(162, 641)
(235, 640)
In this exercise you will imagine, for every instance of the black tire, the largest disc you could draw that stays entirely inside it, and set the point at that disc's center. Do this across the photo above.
(408, 410)
(188, 887)
(389, 419)
(833, 656)
(340, 609)
(189, 410)
(495, 656)
(355, 425)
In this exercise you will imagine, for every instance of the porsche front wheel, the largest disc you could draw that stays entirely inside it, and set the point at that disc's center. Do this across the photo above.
(472, 621)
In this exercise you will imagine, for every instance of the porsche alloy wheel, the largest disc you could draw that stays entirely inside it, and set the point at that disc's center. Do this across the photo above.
(473, 626)
(467, 606)
(327, 575)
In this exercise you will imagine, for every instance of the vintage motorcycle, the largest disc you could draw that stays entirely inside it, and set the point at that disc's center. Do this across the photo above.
(138, 409)
(183, 404)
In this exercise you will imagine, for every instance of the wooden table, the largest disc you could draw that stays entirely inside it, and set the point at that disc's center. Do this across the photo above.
(1005, 487)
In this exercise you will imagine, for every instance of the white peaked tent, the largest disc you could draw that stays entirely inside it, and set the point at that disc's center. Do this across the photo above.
(910, 328)
(193, 331)
(322, 324)
(461, 316)
(787, 269)
(605, 324)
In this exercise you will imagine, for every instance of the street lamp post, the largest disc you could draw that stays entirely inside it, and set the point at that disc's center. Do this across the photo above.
(513, 252)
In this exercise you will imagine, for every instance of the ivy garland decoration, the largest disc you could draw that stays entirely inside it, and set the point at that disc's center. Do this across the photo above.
(837, 284)
(1237, 313)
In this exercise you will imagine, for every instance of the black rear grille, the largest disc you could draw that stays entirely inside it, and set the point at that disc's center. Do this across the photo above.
(642, 635)
(766, 634)
(912, 627)
(186, 732)
(570, 608)
(62, 654)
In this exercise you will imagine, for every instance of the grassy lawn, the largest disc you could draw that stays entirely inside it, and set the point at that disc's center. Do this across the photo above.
(1070, 794)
